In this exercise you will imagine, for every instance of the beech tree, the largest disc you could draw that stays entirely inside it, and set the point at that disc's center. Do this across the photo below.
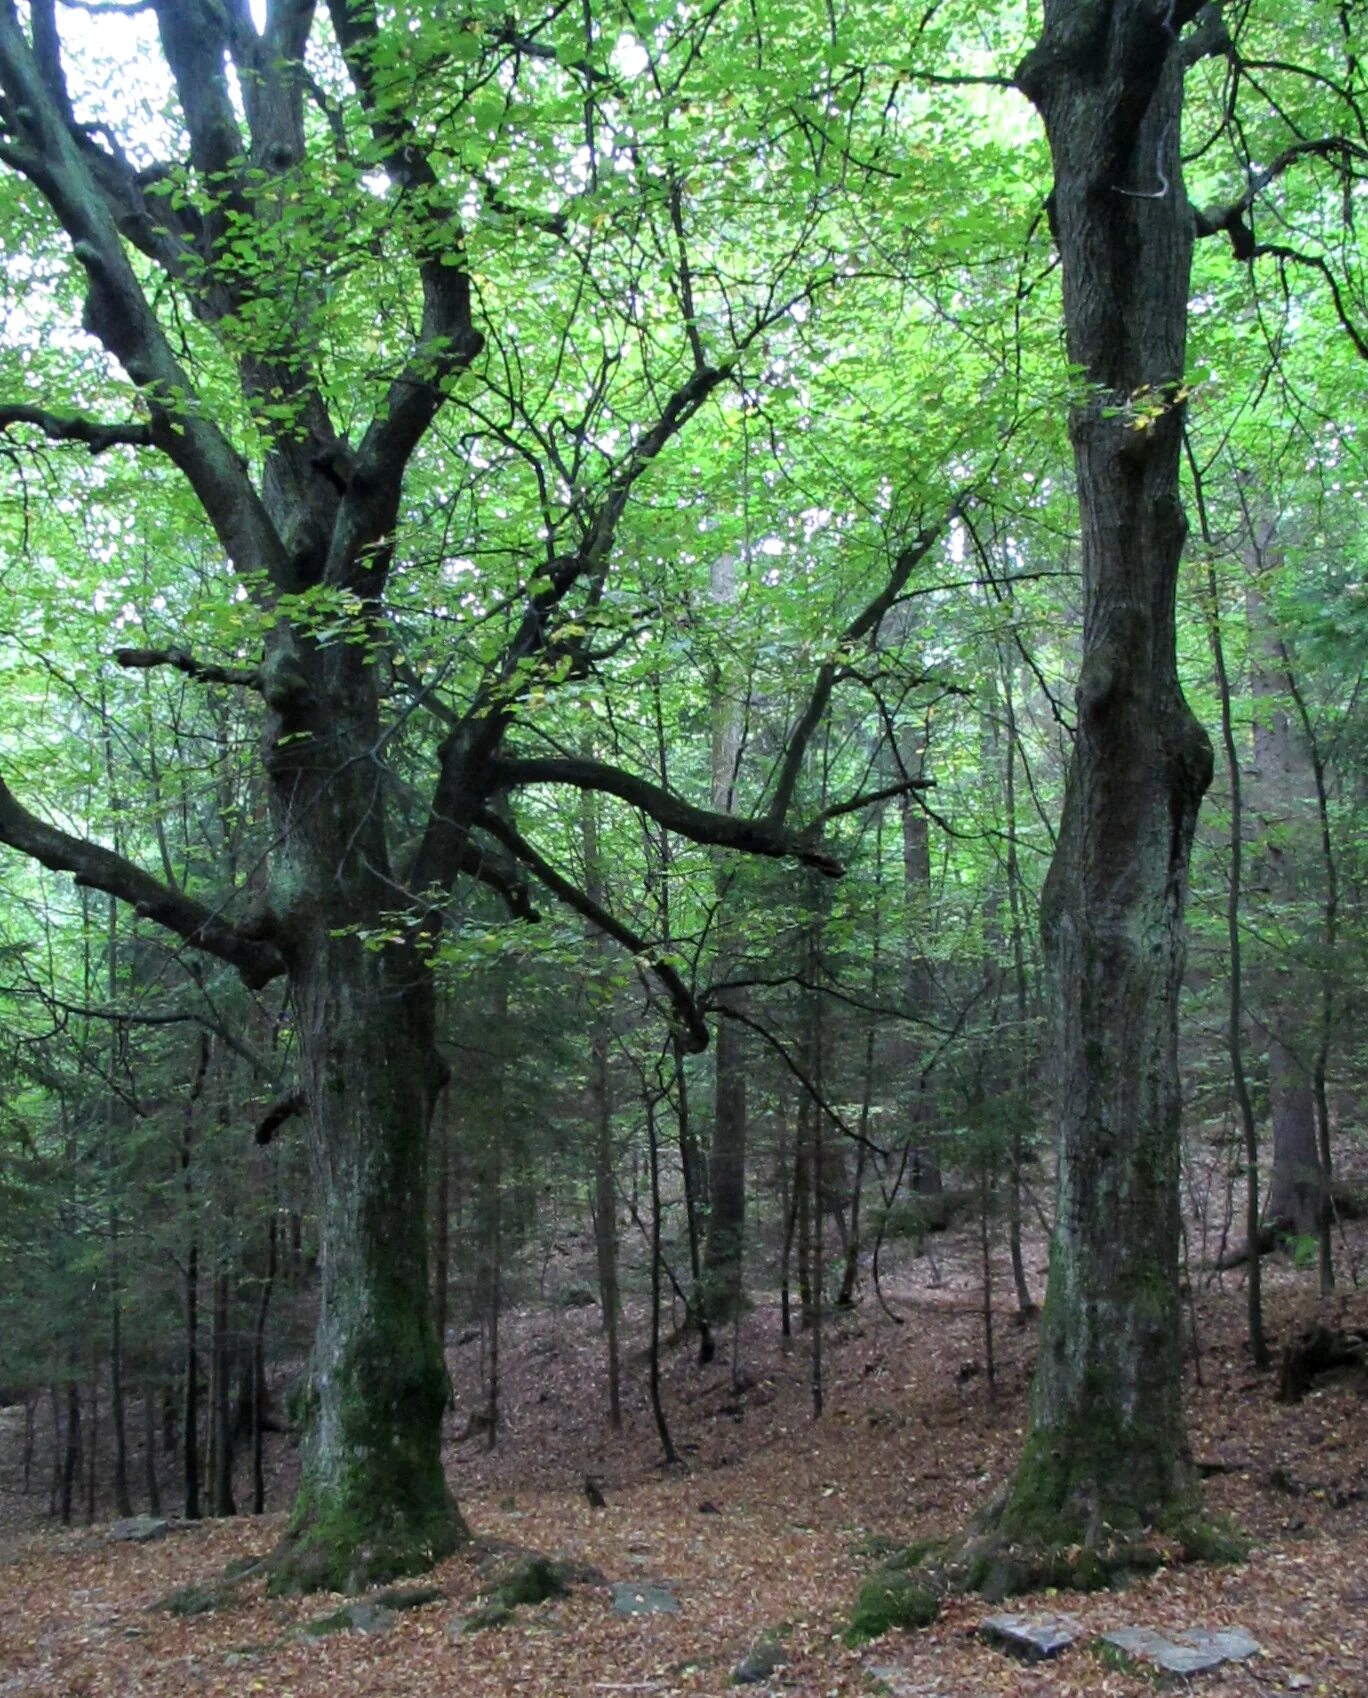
(1106, 1446)
(1106, 1453)
(316, 161)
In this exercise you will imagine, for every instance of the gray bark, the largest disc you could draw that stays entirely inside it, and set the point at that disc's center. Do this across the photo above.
(1106, 1446)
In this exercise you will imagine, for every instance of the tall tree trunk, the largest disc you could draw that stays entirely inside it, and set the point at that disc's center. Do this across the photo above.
(190, 1411)
(917, 985)
(1329, 937)
(71, 1454)
(601, 1118)
(724, 1254)
(1296, 1200)
(259, 1364)
(118, 1414)
(221, 1368)
(1026, 1305)
(693, 1167)
(92, 1442)
(150, 1481)
(1258, 1345)
(1106, 1447)
(669, 1454)
(441, 1226)
(115, 1119)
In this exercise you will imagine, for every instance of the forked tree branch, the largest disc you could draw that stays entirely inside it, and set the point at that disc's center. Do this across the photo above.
(865, 623)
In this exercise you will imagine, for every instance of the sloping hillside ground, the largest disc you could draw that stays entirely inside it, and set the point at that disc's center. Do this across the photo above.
(766, 1534)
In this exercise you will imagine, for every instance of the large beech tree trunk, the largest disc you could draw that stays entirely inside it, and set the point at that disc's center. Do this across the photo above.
(1106, 1447)
(373, 1497)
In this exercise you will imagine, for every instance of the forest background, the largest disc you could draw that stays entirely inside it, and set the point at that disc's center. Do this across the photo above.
(499, 512)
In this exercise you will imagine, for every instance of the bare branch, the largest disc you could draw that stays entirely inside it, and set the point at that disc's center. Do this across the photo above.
(203, 672)
(167, 1017)
(869, 799)
(701, 825)
(70, 427)
(101, 869)
(1229, 218)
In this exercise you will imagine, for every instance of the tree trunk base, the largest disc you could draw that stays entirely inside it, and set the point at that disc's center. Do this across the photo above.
(346, 1547)
(998, 1567)
(1318, 1351)
(988, 1562)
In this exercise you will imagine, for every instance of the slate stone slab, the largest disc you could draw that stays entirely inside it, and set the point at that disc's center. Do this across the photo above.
(1194, 1651)
(1034, 1637)
(1233, 1643)
(138, 1530)
(1152, 1647)
(632, 1597)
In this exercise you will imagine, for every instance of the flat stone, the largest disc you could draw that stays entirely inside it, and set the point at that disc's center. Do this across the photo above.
(138, 1529)
(1031, 1636)
(644, 1598)
(1152, 1647)
(763, 1660)
(1232, 1643)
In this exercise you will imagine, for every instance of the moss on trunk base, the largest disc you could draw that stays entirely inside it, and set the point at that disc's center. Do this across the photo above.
(347, 1545)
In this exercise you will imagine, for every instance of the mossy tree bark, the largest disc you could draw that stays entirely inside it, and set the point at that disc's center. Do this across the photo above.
(373, 1500)
(1106, 1448)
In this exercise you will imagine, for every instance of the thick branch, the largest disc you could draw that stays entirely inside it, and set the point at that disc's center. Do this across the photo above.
(203, 672)
(505, 879)
(701, 825)
(64, 427)
(693, 1028)
(102, 869)
(283, 1109)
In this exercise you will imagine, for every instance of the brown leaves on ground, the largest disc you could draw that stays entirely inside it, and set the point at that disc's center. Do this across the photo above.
(911, 1444)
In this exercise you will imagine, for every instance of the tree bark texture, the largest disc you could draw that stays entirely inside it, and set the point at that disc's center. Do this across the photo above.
(373, 1498)
(1106, 1446)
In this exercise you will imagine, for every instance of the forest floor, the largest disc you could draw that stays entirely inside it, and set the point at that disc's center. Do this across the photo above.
(767, 1531)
